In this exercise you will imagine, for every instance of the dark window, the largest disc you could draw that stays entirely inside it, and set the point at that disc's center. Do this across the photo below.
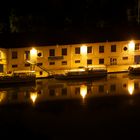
(113, 87)
(125, 58)
(77, 90)
(89, 61)
(14, 55)
(77, 50)
(113, 48)
(41, 72)
(27, 65)
(51, 52)
(101, 88)
(39, 64)
(101, 61)
(27, 55)
(64, 51)
(136, 85)
(52, 63)
(137, 46)
(39, 54)
(77, 61)
(64, 91)
(64, 62)
(101, 49)
(52, 92)
(125, 48)
(14, 66)
(89, 49)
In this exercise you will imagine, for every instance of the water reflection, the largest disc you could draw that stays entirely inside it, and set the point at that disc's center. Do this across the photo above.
(51, 89)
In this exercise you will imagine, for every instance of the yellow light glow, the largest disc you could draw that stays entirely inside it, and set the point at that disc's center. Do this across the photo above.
(83, 91)
(33, 51)
(33, 55)
(2, 96)
(33, 96)
(131, 45)
(83, 49)
(131, 87)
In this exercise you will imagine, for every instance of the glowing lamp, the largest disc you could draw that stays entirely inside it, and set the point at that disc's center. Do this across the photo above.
(131, 46)
(83, 49)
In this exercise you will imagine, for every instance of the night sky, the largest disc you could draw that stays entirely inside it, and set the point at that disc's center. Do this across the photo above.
(70, 11)
(61, 21)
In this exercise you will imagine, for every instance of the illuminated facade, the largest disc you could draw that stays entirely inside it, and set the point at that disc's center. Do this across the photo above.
(117, 55)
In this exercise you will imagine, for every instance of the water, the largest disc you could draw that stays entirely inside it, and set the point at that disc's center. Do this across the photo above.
(107, 108)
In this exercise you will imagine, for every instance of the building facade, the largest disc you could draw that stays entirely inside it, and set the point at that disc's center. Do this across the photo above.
(118, 55)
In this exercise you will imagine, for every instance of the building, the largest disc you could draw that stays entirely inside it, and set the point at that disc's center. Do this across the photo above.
(117, 56)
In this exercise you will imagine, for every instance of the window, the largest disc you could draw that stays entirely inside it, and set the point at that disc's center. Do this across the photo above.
(101, 61)
(101, 88)
(64, 91)
(27, 65)
(113, 87)
(137, 46)
(14, 66)
(39, 53)
(113, 48)
(77, 61)
(125, 58)
(89, 49)
(39, 64)
(51, 52)
(52, 63)
(14, 55)
(101, 49)
(64, 51)
(89, 61)
(125, 48)
(27, 55)
(52, 92)
(64, 62)
(77, 50)
(113, 61)
(77, 90)
(41, 72)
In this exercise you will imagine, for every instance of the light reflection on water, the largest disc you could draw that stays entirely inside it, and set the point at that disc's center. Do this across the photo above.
(51, 89)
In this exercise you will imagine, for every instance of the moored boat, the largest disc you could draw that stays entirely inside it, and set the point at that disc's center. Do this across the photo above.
(135, 70)
(85, 73)
(18, 77)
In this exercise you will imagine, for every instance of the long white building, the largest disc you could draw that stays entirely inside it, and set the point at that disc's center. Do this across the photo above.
(116, 56)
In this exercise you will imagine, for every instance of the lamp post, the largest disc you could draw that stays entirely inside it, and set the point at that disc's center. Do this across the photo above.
(131, 47)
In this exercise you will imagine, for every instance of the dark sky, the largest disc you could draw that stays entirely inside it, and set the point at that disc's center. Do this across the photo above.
(73, 12)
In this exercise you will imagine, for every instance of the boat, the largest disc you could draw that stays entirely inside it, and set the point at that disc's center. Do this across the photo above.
(85, 73)
(135, 70)
(18, 77)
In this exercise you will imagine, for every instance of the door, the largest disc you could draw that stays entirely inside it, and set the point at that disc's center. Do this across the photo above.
(1, 67)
